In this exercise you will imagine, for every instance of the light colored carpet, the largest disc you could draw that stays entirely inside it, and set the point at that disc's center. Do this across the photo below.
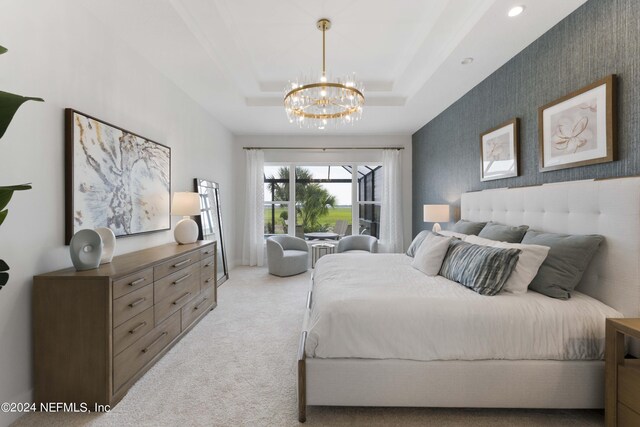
(237, 368)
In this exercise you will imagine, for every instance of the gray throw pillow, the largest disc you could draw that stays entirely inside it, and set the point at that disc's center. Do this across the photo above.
(503, 233)
(468, 227)
(483, 269)
(566, 262)
(417, 241)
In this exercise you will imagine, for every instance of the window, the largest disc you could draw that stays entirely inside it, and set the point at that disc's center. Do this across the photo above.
(326, 198)
(276, 200)
(323, 199)
(369, 198)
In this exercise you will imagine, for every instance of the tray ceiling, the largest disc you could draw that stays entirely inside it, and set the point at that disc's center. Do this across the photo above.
(235, 56)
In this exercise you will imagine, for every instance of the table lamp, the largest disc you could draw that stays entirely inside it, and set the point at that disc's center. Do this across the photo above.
(186, 205)
(436, 214)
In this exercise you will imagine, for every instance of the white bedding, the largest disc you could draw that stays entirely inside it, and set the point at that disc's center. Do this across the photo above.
(379, 307)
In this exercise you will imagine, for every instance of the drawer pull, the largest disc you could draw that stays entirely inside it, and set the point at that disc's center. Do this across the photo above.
(181, 263)
(157, 340)
(176, 302)
(208, 265)
(201, 302)
(208, 252)
(181, 279)
(137, 282)
(137, 328)
(208, 280)
(137, 302)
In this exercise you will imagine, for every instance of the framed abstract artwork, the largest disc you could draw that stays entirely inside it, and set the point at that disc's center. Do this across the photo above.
(114, 178)
(579, 129)
(499, 151)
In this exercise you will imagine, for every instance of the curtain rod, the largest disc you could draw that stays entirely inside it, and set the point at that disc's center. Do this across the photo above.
(323, 148)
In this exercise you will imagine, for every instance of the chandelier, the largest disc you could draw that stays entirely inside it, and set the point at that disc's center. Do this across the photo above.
(319, 104)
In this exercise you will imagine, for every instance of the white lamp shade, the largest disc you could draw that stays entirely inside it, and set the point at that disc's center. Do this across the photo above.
(436, 213)
(185, 204)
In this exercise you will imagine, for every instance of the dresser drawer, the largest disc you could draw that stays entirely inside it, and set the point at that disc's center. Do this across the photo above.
(208, 251)
(208, 266)
(175, 264)
(629, 384)
(132, 282)
(176, 282)
(207, 282)
(131, 330)
(131, 360)
(131, 304)
(197, 306)
(168, 306)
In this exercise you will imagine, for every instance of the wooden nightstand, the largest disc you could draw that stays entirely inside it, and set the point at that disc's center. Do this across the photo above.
(622, 396)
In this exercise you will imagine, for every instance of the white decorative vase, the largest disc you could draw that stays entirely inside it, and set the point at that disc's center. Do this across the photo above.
(186, 231)
(108, 244)
(85, 249)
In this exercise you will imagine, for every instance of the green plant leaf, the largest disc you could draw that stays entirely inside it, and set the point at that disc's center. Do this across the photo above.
(5, 198)
(3, 215)
(9, 104)
(4, 276)
(7, 192)
(3, 50)
(19, 187)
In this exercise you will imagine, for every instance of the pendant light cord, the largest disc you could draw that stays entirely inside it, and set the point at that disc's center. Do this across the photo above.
(324, 29)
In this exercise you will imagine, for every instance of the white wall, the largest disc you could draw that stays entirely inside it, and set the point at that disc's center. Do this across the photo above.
(59, 51)
(325, 156)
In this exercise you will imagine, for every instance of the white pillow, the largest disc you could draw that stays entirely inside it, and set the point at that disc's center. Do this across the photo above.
(430, 254)
(450, 233)
(530, 260)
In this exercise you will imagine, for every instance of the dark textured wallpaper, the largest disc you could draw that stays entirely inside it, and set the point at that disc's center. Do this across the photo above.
(602, 37)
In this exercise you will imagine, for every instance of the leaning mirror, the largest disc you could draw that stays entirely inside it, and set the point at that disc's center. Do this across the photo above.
(210, 222)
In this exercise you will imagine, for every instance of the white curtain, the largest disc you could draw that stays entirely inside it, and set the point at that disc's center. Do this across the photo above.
(391, 229)
(253, 238)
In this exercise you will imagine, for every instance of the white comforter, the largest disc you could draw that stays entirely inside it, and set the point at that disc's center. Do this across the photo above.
(379, 307)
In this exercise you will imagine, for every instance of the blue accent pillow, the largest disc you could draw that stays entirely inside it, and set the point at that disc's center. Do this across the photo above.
(484, 269)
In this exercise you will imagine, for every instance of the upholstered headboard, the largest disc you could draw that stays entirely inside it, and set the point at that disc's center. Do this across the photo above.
(610, 208)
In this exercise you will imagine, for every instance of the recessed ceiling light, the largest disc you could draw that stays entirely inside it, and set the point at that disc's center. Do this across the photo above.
(467, 61)
(515, 11)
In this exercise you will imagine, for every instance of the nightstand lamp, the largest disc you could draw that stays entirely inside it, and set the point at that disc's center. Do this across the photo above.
(436, 214)
(186, 205)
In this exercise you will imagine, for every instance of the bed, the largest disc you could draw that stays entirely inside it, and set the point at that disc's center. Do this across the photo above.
(363, 343)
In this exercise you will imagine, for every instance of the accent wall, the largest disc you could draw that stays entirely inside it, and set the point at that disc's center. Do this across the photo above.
(602, 37)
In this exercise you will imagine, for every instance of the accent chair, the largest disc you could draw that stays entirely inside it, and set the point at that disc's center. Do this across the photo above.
(287, 255)
(359, 243)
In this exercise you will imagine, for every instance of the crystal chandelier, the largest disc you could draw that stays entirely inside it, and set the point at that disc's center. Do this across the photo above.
(319, 104)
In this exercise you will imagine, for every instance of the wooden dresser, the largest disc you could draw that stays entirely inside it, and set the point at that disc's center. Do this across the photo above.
(98, 331)
(622, 397)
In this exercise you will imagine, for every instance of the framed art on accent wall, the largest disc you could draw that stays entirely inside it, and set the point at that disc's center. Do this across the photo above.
(579, 129)
(114, 178)
(499, 151)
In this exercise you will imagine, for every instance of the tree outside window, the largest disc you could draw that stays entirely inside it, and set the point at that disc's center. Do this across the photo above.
(322, 200)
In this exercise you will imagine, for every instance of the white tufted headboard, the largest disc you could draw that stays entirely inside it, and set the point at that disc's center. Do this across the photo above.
(610, 208)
